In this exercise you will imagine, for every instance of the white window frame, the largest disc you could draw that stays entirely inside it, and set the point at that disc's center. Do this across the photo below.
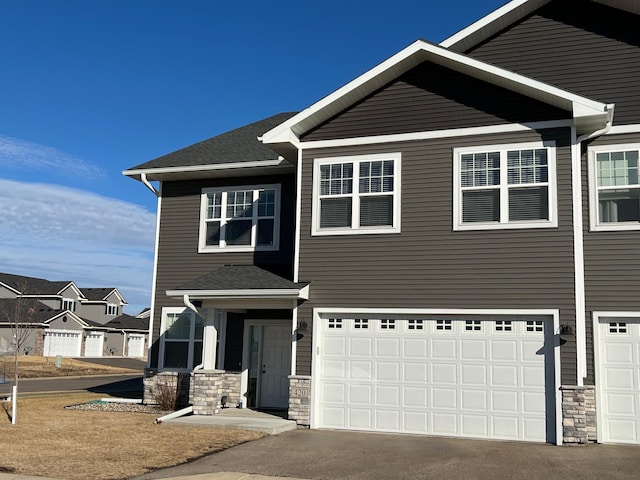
(222, 246)
(504, 223)
(191, 341)
(594, 210)
(112, 309)
(69, 304)
(355, 228)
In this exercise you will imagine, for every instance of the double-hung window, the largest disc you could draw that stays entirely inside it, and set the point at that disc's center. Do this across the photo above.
(615, 187)
(112, 309)
(505, 186)
(182, 333)
(239, 218)
(355, 195)
(69, 304)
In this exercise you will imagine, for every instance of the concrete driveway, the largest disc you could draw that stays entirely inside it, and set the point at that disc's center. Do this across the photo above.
(331, 455)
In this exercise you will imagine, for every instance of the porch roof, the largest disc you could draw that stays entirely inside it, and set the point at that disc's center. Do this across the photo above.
(241, 281)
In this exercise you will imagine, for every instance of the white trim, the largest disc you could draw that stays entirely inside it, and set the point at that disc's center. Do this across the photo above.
(505, 224)
(154, 279)
(294, 337)
(355, 228)
(417, 52)
(621, 129)
(319, 312)
(594, 210)
(597, 316)
(222, 246)
(206, 168)
(296, 244)
(495, 16)
(578, 258)
(437, 134)
(292, 293)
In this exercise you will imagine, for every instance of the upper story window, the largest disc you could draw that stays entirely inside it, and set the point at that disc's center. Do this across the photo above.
(112, 309)
(240, 218)
(615, 187)
(69, 304)
(355, 195)
(505, 186)
(181, 333)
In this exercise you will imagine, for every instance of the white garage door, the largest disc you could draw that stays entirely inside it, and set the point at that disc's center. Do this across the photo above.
(618, 380)
(453, 377)
(135, 345)
(93, 344)
(61, 342)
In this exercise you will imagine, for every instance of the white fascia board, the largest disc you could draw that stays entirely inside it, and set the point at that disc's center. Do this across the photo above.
(75, 289)
(292, 293)
(8, 287)
(411, 56)
(150, 172)
(69, 314)
(492, 23)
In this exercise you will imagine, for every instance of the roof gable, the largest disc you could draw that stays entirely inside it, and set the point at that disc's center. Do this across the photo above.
(511, 12)
(587, 113)
(35, 286)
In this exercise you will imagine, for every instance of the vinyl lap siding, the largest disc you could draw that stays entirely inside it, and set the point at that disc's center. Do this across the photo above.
(428, 265)
(178, 257)
(612, 261)
(580, 46)
(430, 97)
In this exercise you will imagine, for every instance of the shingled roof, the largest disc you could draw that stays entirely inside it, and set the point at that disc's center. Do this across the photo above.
(236, 146)
(32, 285)
(28, 310)
(127, 322)
(239, 277)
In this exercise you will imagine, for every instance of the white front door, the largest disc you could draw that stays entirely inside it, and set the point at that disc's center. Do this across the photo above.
(618, 380)
(93, 344)
(276, 366)
(478, 378)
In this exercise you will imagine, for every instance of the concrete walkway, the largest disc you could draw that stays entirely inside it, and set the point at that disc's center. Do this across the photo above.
(240, 418)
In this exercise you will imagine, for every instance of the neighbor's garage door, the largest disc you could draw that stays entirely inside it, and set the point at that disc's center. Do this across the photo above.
(618, 380)
(463, 378)
(64, 343)
(93, 344)
(135, 345)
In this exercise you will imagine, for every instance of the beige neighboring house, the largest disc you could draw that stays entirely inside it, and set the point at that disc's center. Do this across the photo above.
(67, 320)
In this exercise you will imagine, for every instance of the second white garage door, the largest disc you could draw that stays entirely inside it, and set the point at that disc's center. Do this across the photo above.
(487, 378)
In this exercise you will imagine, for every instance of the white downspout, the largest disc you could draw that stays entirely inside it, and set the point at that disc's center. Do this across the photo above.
(578, 243)
(187, 303)
(145, 181)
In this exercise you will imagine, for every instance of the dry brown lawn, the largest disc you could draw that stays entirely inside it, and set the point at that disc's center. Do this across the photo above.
(79, 444)
(38, 367)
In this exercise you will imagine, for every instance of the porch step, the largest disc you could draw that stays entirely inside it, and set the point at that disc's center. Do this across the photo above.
(269, 424)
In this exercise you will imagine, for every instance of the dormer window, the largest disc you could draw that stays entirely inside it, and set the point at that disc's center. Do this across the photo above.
(112, 309)
(69, 304)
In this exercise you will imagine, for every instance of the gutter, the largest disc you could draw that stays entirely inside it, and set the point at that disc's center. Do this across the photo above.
(143, 179)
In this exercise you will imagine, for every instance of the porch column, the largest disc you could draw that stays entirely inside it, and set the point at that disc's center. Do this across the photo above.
(210, 341)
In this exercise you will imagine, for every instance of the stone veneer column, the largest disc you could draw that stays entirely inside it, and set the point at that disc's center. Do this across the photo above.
(208, 388)
(578, 414)
(300, 399)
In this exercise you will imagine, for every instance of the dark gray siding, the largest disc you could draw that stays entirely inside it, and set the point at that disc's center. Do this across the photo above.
(612, 260)
(178, 257)
(578, 45)
(430, 97)
(428, 265)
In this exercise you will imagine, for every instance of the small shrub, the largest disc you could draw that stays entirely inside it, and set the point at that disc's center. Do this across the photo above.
(167, 393)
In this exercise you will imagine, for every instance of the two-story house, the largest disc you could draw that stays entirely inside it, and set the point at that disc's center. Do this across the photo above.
(446, 245)
(67, 320)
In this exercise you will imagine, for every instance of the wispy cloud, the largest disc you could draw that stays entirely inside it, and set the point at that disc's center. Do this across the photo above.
(61, 233)
(15, 153)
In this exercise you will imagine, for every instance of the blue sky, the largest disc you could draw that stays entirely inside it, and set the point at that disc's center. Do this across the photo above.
(92, 88)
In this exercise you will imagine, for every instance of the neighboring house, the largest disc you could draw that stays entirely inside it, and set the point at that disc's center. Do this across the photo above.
(68, 320)
(446, 245)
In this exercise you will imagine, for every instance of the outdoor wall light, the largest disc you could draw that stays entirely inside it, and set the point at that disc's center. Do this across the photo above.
(565, 330)
(302, 326)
